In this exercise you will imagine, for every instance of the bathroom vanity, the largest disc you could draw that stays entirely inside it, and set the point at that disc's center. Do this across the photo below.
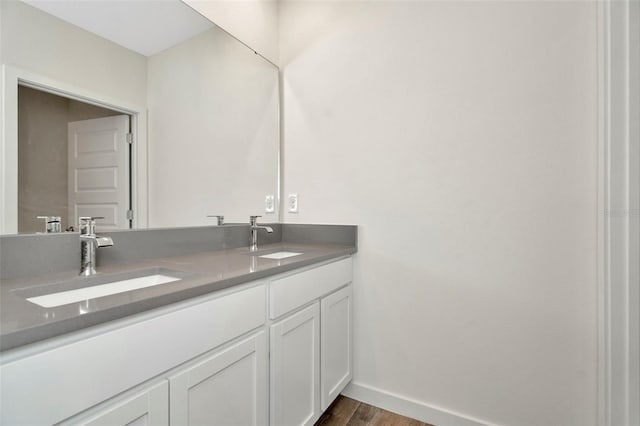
(180, 325)
(241, 338)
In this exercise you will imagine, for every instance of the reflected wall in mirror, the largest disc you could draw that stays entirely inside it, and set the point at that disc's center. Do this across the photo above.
(203, 110)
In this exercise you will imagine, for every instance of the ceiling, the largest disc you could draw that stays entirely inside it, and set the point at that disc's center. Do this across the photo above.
(144, 26)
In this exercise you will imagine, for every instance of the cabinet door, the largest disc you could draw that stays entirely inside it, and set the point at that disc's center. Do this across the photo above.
(295, 368)
(227, 388)
(335, 355)
(150, 407)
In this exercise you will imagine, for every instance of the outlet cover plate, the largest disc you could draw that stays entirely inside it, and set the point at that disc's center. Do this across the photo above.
(269, 204)
(292, 203)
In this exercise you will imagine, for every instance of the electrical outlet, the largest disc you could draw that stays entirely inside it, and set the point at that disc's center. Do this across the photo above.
(292, 203)
(269, 204)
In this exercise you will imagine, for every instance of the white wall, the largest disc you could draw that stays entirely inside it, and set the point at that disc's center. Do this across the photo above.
(213, 121)
(461, 137)
(42, 44)
(254, 22)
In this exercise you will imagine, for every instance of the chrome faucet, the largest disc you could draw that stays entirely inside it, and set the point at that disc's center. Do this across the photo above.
(89, 242)
(253, 228)
(51, 224)
(220, 218)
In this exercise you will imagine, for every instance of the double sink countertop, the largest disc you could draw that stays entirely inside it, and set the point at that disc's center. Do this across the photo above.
(23, 322)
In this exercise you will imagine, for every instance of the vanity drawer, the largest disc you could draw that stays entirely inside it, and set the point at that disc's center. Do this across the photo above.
(290, 292)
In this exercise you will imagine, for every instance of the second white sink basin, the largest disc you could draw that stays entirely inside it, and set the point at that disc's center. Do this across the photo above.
(277, 253)
(280, 255)
(50, 296)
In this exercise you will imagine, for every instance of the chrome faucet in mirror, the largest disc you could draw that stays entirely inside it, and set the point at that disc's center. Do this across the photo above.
(52, 224)
(220, 221)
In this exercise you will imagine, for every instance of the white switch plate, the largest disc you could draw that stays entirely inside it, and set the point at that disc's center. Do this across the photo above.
(292, 203)
(269, 204)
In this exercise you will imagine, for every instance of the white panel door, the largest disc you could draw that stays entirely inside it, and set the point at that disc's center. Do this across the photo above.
(228, 388)
(295, 368)
(147, 408)
(335, 346)
(98, 164)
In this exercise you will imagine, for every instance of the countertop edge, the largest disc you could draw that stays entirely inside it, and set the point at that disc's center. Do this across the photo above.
(40, 333)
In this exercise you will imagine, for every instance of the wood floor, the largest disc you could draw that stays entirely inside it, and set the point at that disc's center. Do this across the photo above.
(347, 411)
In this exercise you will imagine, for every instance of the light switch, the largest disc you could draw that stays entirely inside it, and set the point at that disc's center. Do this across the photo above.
(292, 202)
(269, 204)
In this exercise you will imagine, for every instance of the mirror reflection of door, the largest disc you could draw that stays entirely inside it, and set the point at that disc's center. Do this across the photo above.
(47, 174)
(99, 170)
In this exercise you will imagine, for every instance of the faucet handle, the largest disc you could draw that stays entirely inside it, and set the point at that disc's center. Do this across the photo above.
(87, 224)
(220, 218)
(253, 219)
(81, 218)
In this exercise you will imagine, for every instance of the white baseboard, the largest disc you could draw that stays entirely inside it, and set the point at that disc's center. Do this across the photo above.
(407, 407)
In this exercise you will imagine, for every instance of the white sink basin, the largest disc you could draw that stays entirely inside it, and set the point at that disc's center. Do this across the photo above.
(280, 255)
(277, 253)
(50, 296)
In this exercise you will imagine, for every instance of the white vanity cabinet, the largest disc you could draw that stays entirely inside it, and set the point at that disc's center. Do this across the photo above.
(227, 388)
(295, 368)
(275, 352)
(69, 375)
(310, 359)
(148, 407)
(336, 337)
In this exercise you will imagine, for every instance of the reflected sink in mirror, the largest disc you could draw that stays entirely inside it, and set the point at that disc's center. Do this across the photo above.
(82, 289)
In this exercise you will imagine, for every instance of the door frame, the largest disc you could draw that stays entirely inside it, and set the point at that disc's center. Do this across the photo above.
(13, 76)
(618, 213)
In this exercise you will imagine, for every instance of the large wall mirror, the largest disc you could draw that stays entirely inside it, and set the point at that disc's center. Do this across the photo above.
(145, 113)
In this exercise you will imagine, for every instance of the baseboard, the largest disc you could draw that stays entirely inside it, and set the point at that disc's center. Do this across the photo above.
(407, 407)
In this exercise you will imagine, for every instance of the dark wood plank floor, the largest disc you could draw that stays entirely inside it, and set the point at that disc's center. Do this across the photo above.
(347, 411)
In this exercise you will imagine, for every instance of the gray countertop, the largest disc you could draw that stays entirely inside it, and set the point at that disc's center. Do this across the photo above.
(23, 322)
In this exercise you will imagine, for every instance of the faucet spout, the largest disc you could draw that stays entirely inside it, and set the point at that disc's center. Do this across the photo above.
(104, 241)
(266, 228)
